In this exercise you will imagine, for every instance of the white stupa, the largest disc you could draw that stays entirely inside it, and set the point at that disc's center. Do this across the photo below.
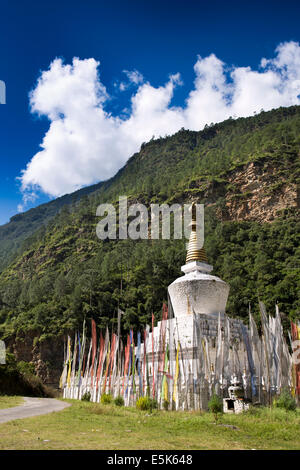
(197, 292)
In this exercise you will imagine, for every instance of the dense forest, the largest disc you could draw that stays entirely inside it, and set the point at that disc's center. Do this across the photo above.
(55, 271)
(21, 226)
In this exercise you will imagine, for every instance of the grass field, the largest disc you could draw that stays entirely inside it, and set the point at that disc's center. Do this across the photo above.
(93, 426)
(8, 402)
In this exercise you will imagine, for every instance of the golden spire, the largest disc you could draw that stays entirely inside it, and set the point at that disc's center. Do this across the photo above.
(194, 253)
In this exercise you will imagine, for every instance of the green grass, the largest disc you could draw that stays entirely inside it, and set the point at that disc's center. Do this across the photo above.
(9, 401)
(86, 425)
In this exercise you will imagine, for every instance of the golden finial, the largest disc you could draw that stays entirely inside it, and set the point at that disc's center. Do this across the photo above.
(194, 253)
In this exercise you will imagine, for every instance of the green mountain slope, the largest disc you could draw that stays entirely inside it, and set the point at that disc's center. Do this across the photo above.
(21, 226)
(165, 167)
(245, 171)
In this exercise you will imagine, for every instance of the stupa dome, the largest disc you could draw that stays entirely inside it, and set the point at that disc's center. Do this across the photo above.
(197, 291)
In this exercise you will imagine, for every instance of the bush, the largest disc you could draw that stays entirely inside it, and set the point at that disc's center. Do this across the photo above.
(285, 401)
(26, 368)
(215, 406)
(166, 405)
(146, 403)
(119, 401)
(143, 403)
(153, 404)
(106, 398)
(17, 379)
(86, 396)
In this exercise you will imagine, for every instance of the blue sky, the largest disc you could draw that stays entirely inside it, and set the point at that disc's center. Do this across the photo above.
(151, 40)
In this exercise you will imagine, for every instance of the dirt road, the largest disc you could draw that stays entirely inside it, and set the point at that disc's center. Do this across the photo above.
(32, 407)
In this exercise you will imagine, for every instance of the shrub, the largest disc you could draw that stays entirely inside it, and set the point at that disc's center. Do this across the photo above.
(26, 368)
(146, 403)
(285, 401)
(153, 404)
(17, 379)
(143, 403)
(215, 406)
(106, 398)
(119, 401)
(86, 396)
(166, 405)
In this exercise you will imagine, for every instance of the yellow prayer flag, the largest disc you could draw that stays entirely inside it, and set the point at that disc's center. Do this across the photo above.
(69, 371)
(176, 374)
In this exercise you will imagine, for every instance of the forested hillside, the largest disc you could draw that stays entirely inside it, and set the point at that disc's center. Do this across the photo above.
(167, 168)
(245, 171)
(21, 226)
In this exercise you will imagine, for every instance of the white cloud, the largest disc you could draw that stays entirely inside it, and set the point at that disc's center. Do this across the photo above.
(134, 76)
(86, 144)
(28, 197)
